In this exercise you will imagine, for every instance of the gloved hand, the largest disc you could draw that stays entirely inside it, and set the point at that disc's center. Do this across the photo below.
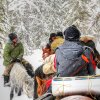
(15, 60)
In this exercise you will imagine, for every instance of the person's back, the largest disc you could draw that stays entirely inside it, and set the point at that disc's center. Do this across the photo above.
(87, 40)
(69, 61)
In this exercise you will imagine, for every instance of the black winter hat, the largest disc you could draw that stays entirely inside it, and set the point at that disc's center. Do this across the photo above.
(52, 35)
(60, 34)
(12, 36)
(72, 33)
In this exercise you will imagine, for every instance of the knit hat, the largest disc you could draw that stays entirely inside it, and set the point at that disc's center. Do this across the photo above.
(12, 36)
(72, 33)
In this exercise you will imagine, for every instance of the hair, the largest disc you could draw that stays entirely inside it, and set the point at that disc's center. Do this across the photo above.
(51, 35)
(48, 46)
(60, 34)
(12, 36)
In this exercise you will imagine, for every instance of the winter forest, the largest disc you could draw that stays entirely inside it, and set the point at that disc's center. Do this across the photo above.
(34, 20)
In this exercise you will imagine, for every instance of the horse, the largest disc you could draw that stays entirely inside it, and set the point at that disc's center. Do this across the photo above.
(21, 81)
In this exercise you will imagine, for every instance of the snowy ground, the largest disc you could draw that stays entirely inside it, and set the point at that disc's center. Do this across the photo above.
(35, 59)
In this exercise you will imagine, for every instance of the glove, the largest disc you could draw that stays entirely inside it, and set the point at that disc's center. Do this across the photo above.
(15, 60)
(18, 60)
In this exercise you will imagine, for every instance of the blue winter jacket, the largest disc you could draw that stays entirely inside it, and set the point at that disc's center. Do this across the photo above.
(69, 61)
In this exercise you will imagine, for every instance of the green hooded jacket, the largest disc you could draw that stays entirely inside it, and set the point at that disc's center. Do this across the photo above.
(12, 52)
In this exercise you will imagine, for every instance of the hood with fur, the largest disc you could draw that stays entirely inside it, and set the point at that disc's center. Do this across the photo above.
(86, 38)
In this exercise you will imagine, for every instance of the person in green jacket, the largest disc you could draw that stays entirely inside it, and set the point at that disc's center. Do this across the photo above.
(13, 52)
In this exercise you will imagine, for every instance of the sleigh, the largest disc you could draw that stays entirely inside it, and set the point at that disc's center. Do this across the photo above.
(76, 86)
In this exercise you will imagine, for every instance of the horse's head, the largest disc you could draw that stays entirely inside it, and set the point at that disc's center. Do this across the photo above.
(28, 87)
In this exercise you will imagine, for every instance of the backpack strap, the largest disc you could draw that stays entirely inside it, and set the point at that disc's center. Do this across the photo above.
(85, 58)
(83, 55)
(89, 48)
(92, 56)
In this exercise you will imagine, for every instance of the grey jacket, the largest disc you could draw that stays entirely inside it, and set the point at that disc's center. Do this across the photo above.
(69, 61)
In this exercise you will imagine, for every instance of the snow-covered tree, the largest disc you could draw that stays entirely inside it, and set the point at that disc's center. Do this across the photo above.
(4, 22)
(34, 20)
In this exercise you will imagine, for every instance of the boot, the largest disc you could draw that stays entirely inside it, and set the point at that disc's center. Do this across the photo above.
(6, 80)
(29, 69)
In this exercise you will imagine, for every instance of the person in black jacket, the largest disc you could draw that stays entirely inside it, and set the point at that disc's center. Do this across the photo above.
(69, 56)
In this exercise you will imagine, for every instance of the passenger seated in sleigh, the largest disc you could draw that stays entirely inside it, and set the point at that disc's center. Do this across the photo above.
(72, 58)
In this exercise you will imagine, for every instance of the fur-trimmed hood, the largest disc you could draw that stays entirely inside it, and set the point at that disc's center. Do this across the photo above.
(86, 38)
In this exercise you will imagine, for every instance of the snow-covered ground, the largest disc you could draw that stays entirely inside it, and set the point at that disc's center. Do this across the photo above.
(35, 59)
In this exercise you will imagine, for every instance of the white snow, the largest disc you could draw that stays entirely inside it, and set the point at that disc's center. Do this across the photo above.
(35, 59)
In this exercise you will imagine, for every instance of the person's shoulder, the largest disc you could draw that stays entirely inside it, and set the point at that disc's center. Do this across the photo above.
(91, 42)
(89, 49)
(20, 43)
(8, 44)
